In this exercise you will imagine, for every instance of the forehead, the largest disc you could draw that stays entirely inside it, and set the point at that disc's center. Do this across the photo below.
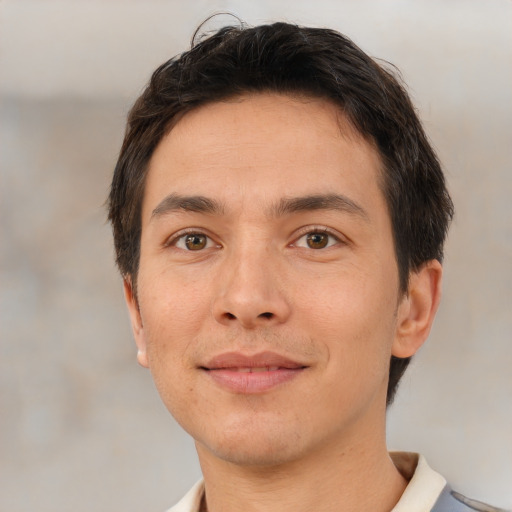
(255, 149)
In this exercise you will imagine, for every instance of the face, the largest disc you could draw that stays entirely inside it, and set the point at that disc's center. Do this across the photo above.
(267, 298)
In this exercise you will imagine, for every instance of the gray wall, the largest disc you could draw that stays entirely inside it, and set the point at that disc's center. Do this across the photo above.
(81, 426)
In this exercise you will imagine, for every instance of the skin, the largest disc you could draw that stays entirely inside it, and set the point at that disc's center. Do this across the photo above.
(317, 441)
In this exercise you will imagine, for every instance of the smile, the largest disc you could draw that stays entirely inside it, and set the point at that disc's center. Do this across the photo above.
(255, 370)
(242, 374)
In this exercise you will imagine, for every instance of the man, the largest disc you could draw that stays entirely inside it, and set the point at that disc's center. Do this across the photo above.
(279, 219)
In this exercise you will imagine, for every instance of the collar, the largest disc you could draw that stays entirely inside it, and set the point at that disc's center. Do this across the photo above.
(425, 484)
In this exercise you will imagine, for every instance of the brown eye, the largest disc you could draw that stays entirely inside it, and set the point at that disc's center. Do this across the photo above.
(317, 240)
(195, 242)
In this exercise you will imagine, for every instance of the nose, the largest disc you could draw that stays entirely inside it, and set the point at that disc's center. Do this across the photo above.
(250, 291)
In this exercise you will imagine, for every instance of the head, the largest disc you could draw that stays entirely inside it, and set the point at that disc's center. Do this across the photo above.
(297, 62)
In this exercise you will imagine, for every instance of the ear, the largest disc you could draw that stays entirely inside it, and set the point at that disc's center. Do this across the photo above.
(417, 309)
(136, 320)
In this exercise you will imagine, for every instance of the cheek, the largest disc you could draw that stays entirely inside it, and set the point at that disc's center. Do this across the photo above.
(174, 300)
(353, 314)
(173, 313)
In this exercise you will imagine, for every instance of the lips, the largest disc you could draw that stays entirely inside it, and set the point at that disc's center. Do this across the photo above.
(255, 370)
(240, 373)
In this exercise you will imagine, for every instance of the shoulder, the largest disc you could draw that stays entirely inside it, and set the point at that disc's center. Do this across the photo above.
(428, 490)
(452, 501)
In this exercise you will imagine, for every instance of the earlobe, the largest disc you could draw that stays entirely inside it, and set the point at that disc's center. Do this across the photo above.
(136, 321)
(417, 310)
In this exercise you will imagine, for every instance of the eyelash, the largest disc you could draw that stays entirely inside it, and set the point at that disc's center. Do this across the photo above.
(174, 240)
(321, 230)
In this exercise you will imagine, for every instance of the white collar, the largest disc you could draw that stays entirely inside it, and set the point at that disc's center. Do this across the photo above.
(425, 484)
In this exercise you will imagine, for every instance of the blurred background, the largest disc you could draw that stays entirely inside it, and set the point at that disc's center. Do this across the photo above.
(81, 425)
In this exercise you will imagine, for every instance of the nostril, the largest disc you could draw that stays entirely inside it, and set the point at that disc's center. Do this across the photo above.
(263, 316)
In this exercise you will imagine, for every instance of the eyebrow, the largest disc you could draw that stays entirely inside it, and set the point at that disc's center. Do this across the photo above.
(197, 204)
(335, 202)
(288, 205)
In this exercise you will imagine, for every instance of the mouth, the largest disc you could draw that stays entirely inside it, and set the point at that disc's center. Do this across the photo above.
(252, 370)
(259, 373)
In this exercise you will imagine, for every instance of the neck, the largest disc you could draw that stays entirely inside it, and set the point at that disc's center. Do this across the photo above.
(341, 477)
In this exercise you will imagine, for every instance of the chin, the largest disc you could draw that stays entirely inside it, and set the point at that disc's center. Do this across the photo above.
(255, 456)
(254, 449)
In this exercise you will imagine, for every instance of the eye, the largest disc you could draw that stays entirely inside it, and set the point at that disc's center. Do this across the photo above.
(193, 242)
(317, 240)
